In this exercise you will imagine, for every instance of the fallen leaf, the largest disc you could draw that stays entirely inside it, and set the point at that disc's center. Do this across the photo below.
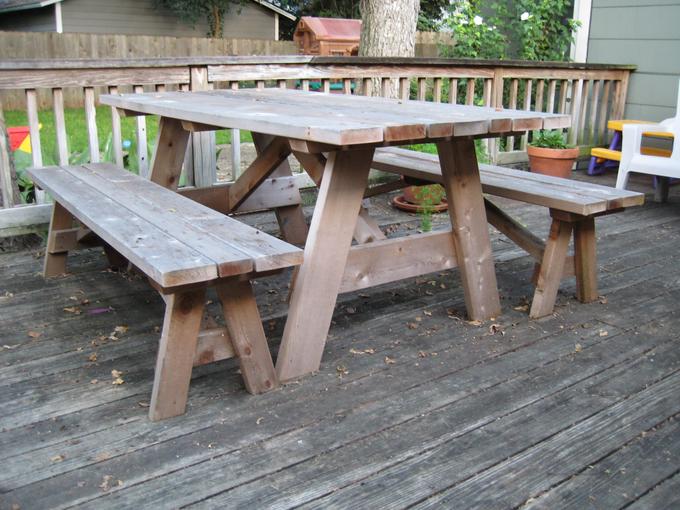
(521, 308)
(422, 354)
(350, 310)
(474, 323)
(411, 325)
(92, 357)
(116, 373)
(118, 381)
(57, 458)
(102, 456)
(106, 483)
(370, 350)
(94, 381)
(72, 309)
(257, 422)
(341, 370)
(143, 403)
(603, 332)
(389, 361)
(34, 334)
(9, 347)
(429, 314)
(603, 300)
(496, 328)
(578, 348)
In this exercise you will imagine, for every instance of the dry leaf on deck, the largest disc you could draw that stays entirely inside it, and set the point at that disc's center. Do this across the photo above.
(57, 458)
(34, 334)
(72, 309)
(389, 361)
(92, 357)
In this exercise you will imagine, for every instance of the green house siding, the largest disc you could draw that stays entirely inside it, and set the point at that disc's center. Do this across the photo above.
(140, 17)
(645, 33)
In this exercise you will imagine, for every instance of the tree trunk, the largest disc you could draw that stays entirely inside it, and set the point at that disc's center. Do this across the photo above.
(388, 29)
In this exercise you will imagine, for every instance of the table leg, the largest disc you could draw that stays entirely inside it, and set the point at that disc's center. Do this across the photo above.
(318, 281)
(460, 174)
(291, 219)
(171, 147)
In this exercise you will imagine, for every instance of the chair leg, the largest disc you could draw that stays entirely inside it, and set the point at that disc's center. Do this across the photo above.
(181, 325)
(55, 255)
(622, 178)
(661, 189)
(585, 259)
(552, 267)
(247, 335)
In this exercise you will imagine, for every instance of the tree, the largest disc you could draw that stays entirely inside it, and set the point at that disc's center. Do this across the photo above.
(191, 11)
(388, 29)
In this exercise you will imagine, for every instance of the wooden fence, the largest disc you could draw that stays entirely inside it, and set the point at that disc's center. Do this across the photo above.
(590, 93)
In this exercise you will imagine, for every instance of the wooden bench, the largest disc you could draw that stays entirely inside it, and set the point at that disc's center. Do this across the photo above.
(573, 207)
(182, 247)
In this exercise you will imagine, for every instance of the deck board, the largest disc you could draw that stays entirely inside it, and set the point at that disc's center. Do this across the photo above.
(533, 416)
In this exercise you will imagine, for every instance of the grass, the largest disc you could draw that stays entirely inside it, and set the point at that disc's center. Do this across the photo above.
(76, 130)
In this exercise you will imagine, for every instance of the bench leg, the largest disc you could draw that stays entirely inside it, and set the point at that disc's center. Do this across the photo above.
(552, 267)
(182, 322)
(55, 255)
(585, 259)
(247, 335)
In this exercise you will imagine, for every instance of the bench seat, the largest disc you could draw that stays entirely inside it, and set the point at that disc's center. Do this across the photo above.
(182, 247)
(573, 205)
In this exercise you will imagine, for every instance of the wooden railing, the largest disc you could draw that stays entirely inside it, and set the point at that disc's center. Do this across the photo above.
(590, 93)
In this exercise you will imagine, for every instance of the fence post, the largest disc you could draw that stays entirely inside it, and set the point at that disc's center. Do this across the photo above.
(496, 102)
(203, 144)
(10, 194)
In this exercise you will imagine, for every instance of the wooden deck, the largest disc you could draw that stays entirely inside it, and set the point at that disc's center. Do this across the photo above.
(413, 406)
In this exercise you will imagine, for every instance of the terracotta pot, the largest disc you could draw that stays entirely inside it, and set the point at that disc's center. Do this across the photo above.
(555, 162)
(432, 193)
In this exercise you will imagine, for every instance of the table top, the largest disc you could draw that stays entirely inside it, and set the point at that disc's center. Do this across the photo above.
(335, 119)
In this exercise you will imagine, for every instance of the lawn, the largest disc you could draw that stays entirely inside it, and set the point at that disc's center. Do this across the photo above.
(77, 132)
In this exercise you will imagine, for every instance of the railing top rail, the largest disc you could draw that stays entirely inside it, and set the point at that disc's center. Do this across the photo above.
(51, 64)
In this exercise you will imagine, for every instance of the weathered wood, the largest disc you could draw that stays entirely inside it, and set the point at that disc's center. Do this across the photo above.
(316, 287)
(247, 336)
(171, 146)
(55, 255)
(460, 176)
(60, 126)
(291, 219)
(267, 161)
(390, 260)
(214, 344)
(585, 259)
(551, 269)
(142, 149)
(183, 314)
(8, 186)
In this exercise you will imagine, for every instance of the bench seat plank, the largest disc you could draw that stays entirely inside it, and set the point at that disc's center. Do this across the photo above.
(163, 258)
(563, 194)
(226, 240)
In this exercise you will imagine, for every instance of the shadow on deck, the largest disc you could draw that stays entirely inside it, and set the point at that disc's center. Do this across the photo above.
(413, 405)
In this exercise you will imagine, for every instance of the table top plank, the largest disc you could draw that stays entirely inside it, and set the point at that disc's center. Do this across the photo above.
(334, 119)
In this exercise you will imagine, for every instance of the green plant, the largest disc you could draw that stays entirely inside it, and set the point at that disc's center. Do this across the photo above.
(549, 140)
(526, 29)
(428, 196)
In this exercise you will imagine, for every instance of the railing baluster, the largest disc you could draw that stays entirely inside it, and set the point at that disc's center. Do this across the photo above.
(160, 87)
(514, 88)
(604, 108)
(577, 86)
(367, 86)
(188, 166)
(583, 112)
(347, 86)
(34, 126)
(422, 89)
(470, 92)
(5, 164)
(437, 90)
(236, 143)
(592, 133)
(385, 85)
(540, 85)
(453, 91)
(116, 133)
(405, 88)
(305, 85)
(91, 122)
(564, 89)
(281, 84)
(142, 152)
(326, 84)
(551, 96)
(260, 84)
(487, 92)
(60, 125)
(527, 106)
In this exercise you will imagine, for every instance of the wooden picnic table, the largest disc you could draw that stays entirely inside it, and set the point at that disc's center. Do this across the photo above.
(334, 137)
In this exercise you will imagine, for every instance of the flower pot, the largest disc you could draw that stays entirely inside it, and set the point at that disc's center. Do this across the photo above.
(555, 162)
(431, 194)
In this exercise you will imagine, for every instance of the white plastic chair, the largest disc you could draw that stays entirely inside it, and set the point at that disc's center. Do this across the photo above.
(633, 161)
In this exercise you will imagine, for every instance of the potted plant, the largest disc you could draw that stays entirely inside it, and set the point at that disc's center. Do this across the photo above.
(549, 154)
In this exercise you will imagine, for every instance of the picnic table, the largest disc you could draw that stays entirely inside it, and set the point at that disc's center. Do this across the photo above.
(334, 137)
